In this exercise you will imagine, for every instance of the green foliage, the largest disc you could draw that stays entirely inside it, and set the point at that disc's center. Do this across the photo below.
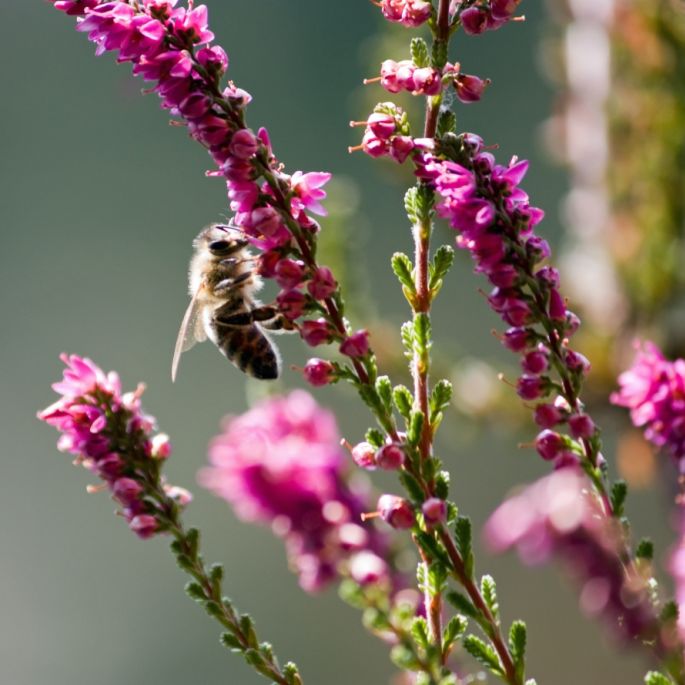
(619, 492)
(375, 438)
(231, 642)
(670, 612)
(447, 122)
(656, 678)
(419, 631)
(453, 631)
(439, 54)
(440, 399)
(489, 591)
(407, 333)
(415, 427)
(645, 549)
(442, 484)
(403, 400)
(412, 486)
(402, 268)
(292, 674)
(517, 646)
(384, 390)
(439, 267)
(419, 52)
(411, 205)
(464, 539)
(462, 604)
(483, 653)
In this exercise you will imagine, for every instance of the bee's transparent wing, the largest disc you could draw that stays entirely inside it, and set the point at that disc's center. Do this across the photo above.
(192, 331)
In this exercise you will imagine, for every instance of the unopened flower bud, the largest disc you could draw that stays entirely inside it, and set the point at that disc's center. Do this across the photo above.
(244, 144)
(127, 490)
(291, 303)
(322, 283)
(160, 446)
(517, 339)
(367, 568)
(318, 372)
(536, 361)
(316, 332)
(581, 426)
(396, 511)
(390, 457)
(470, 88)
(356, 345)
(530, 387)
(289, 273)
(434, 510)
(547, 415)
(549, 444)
(575, 361)
(364, 455)
(144, 525)
(557, 306)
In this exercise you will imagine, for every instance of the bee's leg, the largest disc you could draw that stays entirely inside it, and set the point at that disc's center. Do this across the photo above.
(266, 316)
(224, 287)
(277, 323)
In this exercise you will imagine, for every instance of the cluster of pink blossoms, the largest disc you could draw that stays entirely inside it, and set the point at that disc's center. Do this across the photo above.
(482, 200)
(410, 13)
(654, 391)
(480, 16)
(170, 47)
(112, 437)
(558, 516)
(280, 463)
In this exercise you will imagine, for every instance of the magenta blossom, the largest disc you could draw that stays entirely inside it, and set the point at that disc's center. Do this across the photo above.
(558, 516)
(654, 391)
(280, 463)
(112, 437)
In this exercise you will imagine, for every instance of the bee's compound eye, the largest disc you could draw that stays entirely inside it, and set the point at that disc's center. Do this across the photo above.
(219, 246)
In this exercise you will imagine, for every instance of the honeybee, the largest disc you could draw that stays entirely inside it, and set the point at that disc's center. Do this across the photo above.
(222, 283)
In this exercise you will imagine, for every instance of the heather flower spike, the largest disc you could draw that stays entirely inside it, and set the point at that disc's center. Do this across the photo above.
(282, 464)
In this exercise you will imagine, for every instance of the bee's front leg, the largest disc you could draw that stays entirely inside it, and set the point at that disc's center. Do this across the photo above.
(223, 288)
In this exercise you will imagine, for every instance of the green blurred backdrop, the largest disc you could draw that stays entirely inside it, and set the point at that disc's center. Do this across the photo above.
(99, 202)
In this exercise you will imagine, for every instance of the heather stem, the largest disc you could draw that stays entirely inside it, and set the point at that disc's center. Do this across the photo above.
(240, 635)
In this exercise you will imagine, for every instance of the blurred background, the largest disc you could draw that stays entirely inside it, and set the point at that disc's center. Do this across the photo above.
(99, 204)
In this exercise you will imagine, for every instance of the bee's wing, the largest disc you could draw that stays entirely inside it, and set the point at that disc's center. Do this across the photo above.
(191, 331)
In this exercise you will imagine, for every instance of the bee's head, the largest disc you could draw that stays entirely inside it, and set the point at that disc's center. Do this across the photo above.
(220, 240)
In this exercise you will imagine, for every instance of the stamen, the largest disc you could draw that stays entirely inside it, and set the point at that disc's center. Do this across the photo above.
(355, 148)
(367, 81)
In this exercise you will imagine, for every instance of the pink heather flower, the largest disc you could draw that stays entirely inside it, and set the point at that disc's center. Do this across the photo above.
(289, 273)
(367, 568)
(474, 20)
(411, 13)
(390, 457)
(322, 284)
(364, 456)
(470, 88)
(548, 415)
(292, 303)
(307, 188)
(549, 445)
(111, 437)
(558, 516)
(318, 372)
(654, 391)
(396, 511)
(356, 345)
(316, 332)
(280, 463)
(434, 510)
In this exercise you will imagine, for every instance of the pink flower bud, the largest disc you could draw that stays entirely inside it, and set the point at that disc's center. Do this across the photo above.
(400, 148)
(536, 361)
(390, 457)
(474, 20)
(547, 415)
(367, 568)
(127, 490)
(530, 387)
(582, 426)
(381, 125)
(291, 303)
(549, 444)
(517, 339)
(396, 511)
(322, 283)
(557, 306)
(265, 220)
(289, 273)
(434, 510)
(356, 345)
(427, 81)
(575, 361)
(180, 495)
(144, 526)
(373, 145)
(470, 88)
(268, 261)
(316, 332)
(364, 455)
(110, 466)
(318, 372)
(160, 446)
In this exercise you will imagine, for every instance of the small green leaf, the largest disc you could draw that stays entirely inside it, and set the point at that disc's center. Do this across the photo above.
(415, 427)
(440, 397)
(489, 591)
(419, 631)
(645, 549)
(248, 630)
(439, 54)
(442, 262)
(656, 678)
(384, 390)
(402, 268)
(231, 641)
(404, 658)
(422, 332)
(462, 604)
(442, 484)
(464, 539)
(447, 123)
(412, 486)
(619, 492)
(403, 400)
(375, 438)
(216, 573)
(431, 547)
(193, 541)
(411, 205)
(483, 653)
(292, 674)
(195, 591)
(454, 629)
(419, 52)
(407, 333)
(517, 645)
(352, 594)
